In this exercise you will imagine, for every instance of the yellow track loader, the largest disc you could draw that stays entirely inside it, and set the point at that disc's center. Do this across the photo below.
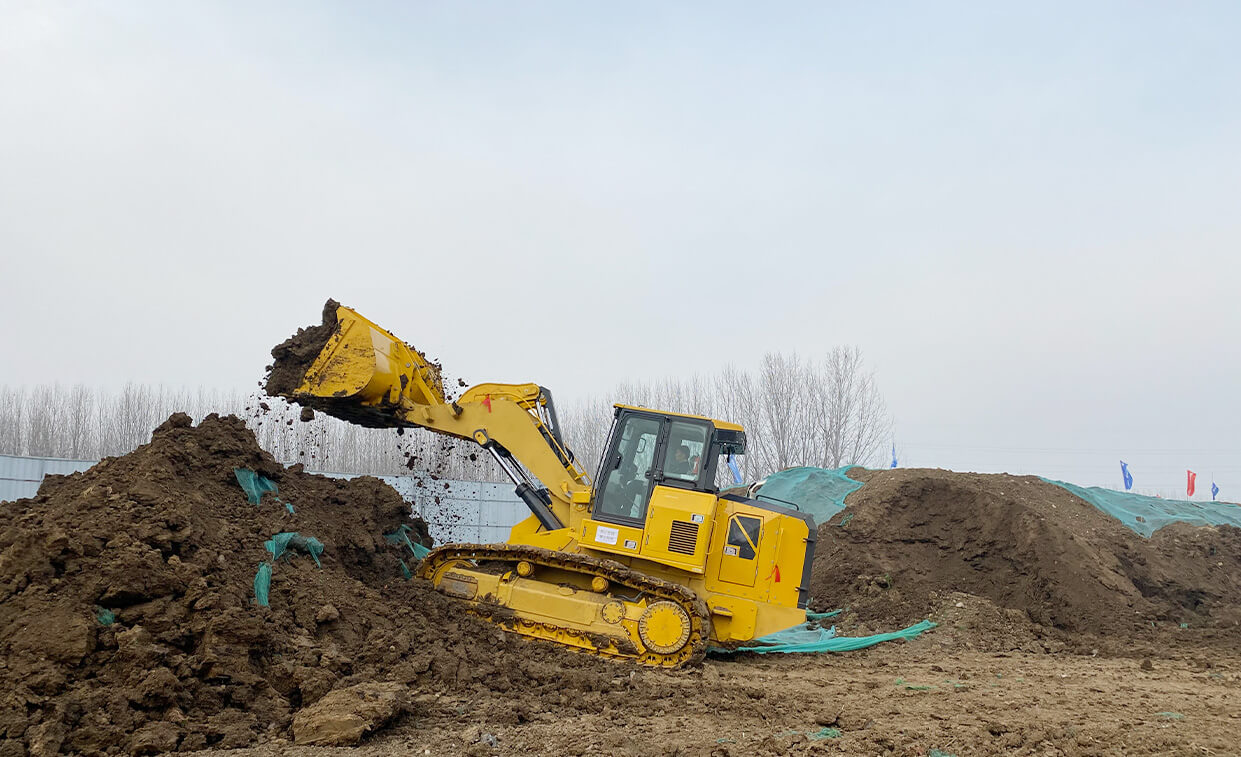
(650, 563)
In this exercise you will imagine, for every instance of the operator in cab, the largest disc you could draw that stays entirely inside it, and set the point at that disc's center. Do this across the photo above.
(680, 465)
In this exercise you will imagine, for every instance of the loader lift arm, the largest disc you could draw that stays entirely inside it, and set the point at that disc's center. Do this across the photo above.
(504, 419)
(363, 374)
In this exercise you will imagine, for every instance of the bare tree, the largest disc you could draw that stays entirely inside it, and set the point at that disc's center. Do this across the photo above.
(78, 438)
(785, 419)
(132, 418)
(12, 420)
(854, 420)
(42, 419)
(585, 425)
(795, 411)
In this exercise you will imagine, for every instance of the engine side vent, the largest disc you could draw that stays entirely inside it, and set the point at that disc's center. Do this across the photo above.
(683, 537)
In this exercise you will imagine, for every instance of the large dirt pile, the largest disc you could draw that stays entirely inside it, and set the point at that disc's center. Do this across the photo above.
(165, 539)
(911, 537)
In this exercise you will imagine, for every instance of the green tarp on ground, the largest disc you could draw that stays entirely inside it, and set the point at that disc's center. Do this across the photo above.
(810, 638)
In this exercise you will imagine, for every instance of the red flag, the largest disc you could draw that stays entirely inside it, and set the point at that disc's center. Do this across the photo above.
(487, 402)
(1189, 485)
(775, 572)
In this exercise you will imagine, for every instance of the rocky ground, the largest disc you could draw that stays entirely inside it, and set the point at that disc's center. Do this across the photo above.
(911, 699)
(129, 625)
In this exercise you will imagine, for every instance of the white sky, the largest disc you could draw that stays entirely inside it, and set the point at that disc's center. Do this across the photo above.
(1026, 217)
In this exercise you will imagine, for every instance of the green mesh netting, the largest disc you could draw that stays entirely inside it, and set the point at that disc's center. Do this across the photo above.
(400, 537)
(262, 583)
(278, 547)
(278, 543)
(819, 492)
(285, 540)
(256, 486)
(1146, 515)
(819, 735)
(811, 638)
(105, 616)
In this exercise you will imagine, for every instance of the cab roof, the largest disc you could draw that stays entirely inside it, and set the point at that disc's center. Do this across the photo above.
(717, 423)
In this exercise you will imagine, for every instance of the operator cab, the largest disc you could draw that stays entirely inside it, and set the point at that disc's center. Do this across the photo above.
(648, 448)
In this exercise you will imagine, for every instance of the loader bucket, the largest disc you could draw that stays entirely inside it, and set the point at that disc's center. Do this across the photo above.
(350, 367)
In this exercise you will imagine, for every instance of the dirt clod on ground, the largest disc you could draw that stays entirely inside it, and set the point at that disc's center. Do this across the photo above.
(345, 716)
(910, 538)
(128, 618)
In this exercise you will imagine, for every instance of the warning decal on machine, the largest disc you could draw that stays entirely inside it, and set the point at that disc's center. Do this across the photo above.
(605, 535)
(730, 550)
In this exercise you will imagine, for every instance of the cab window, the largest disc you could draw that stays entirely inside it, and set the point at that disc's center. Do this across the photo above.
(683, 459)
(744, 532)
(627, 474)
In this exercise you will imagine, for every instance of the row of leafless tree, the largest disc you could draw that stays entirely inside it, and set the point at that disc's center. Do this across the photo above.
(825, 412)
(82, 423)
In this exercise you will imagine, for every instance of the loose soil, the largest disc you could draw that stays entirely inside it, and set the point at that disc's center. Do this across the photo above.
(909, 537)
(165, 539)
(1044, 643)
(909, 699)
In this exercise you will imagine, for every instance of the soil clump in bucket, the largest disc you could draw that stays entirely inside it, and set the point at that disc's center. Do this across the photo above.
(295, 354)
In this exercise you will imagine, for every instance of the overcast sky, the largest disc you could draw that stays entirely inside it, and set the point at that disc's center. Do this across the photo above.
(1024, 214)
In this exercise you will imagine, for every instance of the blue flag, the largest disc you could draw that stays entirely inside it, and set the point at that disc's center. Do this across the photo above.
(736, 470)
(1124, 471)
(893, 454)
(1214, 490)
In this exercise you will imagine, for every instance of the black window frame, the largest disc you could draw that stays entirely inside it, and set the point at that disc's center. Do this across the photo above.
(705, 482)
(744, 540)
(601, 477)
(708, 447)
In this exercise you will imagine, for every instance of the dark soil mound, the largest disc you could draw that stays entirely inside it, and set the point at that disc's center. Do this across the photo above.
(910, 537)
(295, 354)
(165, 539)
